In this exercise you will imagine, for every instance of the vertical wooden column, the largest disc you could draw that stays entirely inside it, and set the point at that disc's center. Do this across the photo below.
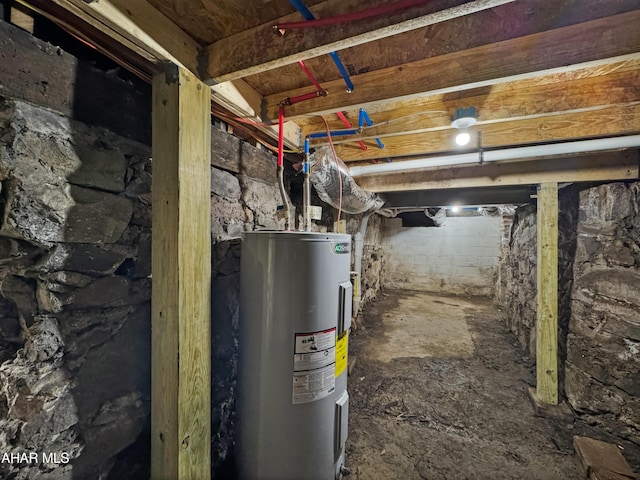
(547, 295)
(181, 268)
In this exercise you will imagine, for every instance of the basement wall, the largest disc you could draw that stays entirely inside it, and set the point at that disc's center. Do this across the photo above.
(75, 279)
(458, 257)
(599, 301)
(75, 244)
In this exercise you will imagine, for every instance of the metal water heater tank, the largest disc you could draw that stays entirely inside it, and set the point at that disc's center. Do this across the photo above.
(295, 311)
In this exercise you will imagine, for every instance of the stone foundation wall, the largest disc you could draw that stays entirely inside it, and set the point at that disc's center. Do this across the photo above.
(75, 248)
(516, 288)
(74, 275)
(373, 260)
(243, 198)
(598, 300)
(603, 346)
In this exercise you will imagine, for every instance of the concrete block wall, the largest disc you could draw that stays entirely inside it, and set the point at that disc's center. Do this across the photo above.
(459, 257)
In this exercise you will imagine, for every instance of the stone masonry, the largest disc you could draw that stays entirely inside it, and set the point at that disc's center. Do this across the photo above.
(598, 301)
(75, 281)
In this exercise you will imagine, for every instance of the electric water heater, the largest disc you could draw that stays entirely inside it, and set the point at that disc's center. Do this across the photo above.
(295, 312)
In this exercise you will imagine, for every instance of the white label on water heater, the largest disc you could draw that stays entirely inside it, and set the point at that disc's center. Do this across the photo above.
(314, 385)
(314, 360)
(315, 341)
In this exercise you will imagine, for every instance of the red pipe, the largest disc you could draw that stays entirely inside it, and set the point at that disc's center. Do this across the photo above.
(347, 124)
(305, 96)
(353, 16)
(280, 136)
(310, 75)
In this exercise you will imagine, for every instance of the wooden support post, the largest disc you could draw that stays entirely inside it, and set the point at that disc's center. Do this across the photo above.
(547, 295)
(181, 266)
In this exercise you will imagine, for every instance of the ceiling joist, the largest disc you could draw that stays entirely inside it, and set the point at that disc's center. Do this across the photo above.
(562, 49)
(536, 75)
(259, 49)
(582, 123)
(508, 102)
(139, 26)
(622, 165)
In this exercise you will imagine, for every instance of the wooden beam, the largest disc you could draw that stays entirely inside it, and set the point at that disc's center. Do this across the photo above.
(601, 167)
(259, 49)
(181, 266)
(21, 17)
(109, 43)
(142, 25)
(28, 65)
(509, 21)
(547, 295)
(143, 29)
(560, 50)
(239, 98)
(594, 87)
(581, 123)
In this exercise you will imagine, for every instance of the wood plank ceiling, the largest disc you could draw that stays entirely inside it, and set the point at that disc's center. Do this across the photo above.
(537, 72)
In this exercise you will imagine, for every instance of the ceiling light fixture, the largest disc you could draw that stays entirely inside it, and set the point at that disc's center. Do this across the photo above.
(462, 120)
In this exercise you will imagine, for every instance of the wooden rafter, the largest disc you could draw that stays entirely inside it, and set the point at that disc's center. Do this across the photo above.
(141, 26)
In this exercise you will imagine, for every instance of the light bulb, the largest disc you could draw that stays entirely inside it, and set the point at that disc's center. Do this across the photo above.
(463, 138)
(455, 209)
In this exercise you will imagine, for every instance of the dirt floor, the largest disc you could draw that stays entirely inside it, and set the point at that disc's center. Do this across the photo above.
(439, 391)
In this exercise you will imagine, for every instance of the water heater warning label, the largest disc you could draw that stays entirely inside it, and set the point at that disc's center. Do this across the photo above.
(314, 361)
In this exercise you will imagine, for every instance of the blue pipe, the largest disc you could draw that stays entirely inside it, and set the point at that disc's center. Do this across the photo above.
(302, 8)
(335, 133)
(306, 146)
(363, 117)
(361, 114)
(343, 71)
(306, 13)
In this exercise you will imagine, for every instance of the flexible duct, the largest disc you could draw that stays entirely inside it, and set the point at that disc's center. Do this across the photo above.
(327, 175)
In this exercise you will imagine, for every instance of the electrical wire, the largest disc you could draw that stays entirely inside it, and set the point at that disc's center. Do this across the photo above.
(71, 30)
(241, 121)
(245, 120)
(347, 124)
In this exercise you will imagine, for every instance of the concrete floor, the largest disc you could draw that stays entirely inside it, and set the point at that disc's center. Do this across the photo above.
(439, 391)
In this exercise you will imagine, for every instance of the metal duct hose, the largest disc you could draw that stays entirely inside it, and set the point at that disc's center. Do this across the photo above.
(326, 175)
